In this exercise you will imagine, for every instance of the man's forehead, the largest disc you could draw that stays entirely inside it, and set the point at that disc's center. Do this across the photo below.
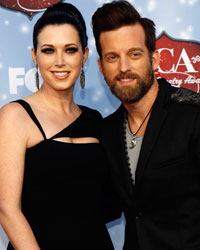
(125, 38)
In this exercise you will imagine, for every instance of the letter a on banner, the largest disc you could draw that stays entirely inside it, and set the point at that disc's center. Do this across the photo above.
(179, 62)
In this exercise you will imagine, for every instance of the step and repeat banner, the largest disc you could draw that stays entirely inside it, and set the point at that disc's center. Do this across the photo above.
(178, 42)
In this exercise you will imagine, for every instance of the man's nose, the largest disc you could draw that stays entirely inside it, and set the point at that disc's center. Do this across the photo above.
(124, 64)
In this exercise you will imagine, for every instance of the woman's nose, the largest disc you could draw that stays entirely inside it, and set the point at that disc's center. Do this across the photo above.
(59, 60)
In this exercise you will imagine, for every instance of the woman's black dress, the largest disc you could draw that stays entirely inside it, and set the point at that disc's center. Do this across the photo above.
(63, 187)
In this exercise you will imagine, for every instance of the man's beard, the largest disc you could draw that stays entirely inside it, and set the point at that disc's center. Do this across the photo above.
(130, 94)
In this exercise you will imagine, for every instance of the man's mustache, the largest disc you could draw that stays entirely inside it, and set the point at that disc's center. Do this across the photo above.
(126, 76)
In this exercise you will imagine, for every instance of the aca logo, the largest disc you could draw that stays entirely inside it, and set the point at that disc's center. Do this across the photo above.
(26, 6)
(179, 62)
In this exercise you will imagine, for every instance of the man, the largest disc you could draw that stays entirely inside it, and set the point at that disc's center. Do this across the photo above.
(153, 139)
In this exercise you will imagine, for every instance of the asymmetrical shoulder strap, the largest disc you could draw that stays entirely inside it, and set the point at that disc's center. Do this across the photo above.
(29, 110)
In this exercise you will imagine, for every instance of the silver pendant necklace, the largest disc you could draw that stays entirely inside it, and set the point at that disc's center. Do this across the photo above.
(134, 135)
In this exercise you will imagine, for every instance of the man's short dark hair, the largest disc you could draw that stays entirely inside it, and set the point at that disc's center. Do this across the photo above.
(116, 14)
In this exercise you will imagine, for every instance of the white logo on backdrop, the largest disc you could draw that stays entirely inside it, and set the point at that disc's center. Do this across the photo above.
(18, 77)
(26, 9)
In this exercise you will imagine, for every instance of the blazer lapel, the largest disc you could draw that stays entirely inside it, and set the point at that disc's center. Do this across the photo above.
(155, 123)
(152, 132)
(121, 158)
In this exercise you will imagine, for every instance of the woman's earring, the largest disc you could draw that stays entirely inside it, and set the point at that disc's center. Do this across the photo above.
(82, 78)
(37, 77)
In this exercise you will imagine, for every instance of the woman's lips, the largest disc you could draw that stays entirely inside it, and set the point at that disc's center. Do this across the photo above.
(61, 74)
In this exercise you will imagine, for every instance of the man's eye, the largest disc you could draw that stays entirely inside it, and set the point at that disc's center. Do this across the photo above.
(71, 50)
(111, 58)
(135, 55)
(48, 51)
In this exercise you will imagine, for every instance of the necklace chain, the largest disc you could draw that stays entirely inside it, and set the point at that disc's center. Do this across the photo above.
(134, 135)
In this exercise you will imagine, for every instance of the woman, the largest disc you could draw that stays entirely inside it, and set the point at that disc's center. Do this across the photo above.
(52, 168)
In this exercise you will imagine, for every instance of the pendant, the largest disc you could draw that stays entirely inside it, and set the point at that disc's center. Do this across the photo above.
(133, 141)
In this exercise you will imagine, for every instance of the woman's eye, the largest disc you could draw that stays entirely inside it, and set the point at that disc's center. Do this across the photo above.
(48, 51)
(71, 50)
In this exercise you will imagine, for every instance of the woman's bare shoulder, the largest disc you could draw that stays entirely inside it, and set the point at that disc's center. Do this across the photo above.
(11, 108)
(13, 116)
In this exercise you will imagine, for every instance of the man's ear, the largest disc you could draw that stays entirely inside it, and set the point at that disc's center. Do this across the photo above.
(100, 66)
(33, 54)
(155, 59)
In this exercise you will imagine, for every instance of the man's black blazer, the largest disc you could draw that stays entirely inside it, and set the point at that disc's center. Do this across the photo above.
(162, 208)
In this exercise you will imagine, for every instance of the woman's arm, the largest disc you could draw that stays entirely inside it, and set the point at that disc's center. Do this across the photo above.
(13, 141)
